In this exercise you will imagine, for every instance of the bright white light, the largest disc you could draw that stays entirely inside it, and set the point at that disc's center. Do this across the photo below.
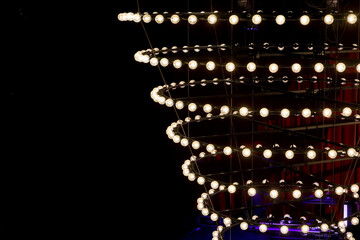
(179, 105)
(192, 19)
(354, 221)
(207, 108)
(296, 194)
(296, 67)
(311, 154)
(210, 148)
(354, 188)
(280, 19)
(252, 192)
(358, 68)
(267, 153)
(319, 193)
(340, 67)
(230, 67)
(159, 19)
(305, 229)
(256, 19)
(201, 180)
(351, 152)
(324, 227)
(263, 228)
(329, 19)
(214, 184)
(327, 112)
(339, 190)
(273, 68)
(193, 64)
(319, 67)
(224, 110)
(304, 20)
(244, 226)
(351, 18)
(251, 67)
(289, 154)
(175, 19)
(210, 65)
(244, 111)
(264, 112)
(146, 18)
(346, 112)
(233, 19)
(332, 154)
(274, 194)
(164, 62)
(246, 152)
(177, 63)
(231, 189)
(306, 113)
(195, 145)
(212, 19)
(284, 229)
(285, 113)
(192, 107)
(227, 151)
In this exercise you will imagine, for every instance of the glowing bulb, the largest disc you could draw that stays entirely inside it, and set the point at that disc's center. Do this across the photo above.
(351, 18)
(244, 111)
(358, 68)
(210, 148)
(192, 19)
(306, 112)
(177, 63)
(195, 145)
(230, 67)
(273, 68)
(346, 112)
(179, 105)
(339, 190)
(332, 154)
(319, 67)
(296, 68)
(341, 224)
(274, 194)
(329, 19)
(233, 19)
(256, 19)
(305, 229)
(210, 65)
(327, 112)
(214, 184)
(164, 62)
(212, 19)
(252, 192)
(227, 151)
(284, 229)
(231, 189)
(207, 108)
(214, 217)
(205, 211)
(246, 152)
(311, 154)
(340, 67)
(201, 180)
(224, 110)
(354, 188)
(351, 152)
(285, 113)
(267, 153)
(289, 154)
(159, 19)
(175, 19)
(280, 19)
(263, 228)
(193, 64)
(296, 194)
(319, 193)
(251, 67)
(354, 221)
(192, 107)
(244, 226)
(184, 142)
(304, 20)
(154, 61)
(264, 112)
(146, 18)
(324, 227)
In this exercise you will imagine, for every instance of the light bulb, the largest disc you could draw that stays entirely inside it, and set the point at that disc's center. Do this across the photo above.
(346, 112)
(210, 148)
(354, 221)
(354, 188)
(285, 113)
(306, 112)
(210, 65)
(146, 18)
(351, 18)
(256, 19)
(263, 228)
(340, 67)
(177, 63)
(154, 61)
(227, 151)
(284, 229)
(230, 67)
(164, 62)
(195, 145)
(280, 19)
(305, 229)
(339, 190)
(205, 211)
(244, 111)
(329, 19)
(273, 68)
(252, 192)
(251, 67)
(193, 64)
(274, 194)
(341, 224)
(296, 68)
(175, 19)
(264, 112)
(192, 19)
(351, 152)
(244, 226)
(327, 112)
(191, 177)
(212, 19)
(304, 20)
(214, 184)
(179, 105)
(319, 193)
(233, 19)
(296, 194)
(267, 153)
(324, 227)
(319, 67)
(184, 142)
(214, 217)
(246, 152)
(192, 107)
(311, 154)
(332, 154)
(207, 108)
(358, 68)
(159, 19)
(231, 189)
(201, 180)
(224, 110)
(289, 154)
(349, 235)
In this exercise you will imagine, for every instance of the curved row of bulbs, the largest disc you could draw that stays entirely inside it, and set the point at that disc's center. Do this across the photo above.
(234, 19)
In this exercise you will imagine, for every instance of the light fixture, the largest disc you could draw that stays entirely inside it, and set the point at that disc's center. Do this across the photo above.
(212, 19)
(233, 19)
(273, 68)
(280, 19)
(230, 67)
(351, 18)
(304, 20)
(319, 67)
(192, 19)
(256, 19)
(329, 19)
(340, 67)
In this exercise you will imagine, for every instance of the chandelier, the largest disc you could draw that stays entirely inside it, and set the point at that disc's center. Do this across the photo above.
(271, 123)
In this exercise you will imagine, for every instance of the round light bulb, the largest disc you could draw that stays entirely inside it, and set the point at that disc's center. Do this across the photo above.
(319, 193)
(207, 108)
(195, 145)
(319, 67)
(256, 19)
(346, 112)
(289, 154)
(227, 151)
(212, 19)
(230, 67)
(306, 112)
(159, 19)
(284, 229)
(351, 152)
(214, 184)
(311, 154)
(296, 194)
(233, 19)
(340, 67)
(354, 188)
(324, 227)
(177, 63)
(193, 64)
(327, 112)
(280, 19)
(231, 189)
(304, 20)
(267, 153)
(339, 190)
(354, 221)
(332, 154)
(192, 107)
(244, 111)
(263, 228)
(252, 192)
(264, 112)
(179, 105)
(358, 68)
(244, 226)
(305, 229)
(285, 113)
(351, 18)
(246, 152)
(201, 180)
(214, 217)
(210, 148)
(273, 68)
(192, 19)
(224, 110)
(251, 67)
(329, 19)
(164, 62)
(296, 67)
(175, 19)
(274, 194)
(210, 65)
(146, 18)
(341, 224)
